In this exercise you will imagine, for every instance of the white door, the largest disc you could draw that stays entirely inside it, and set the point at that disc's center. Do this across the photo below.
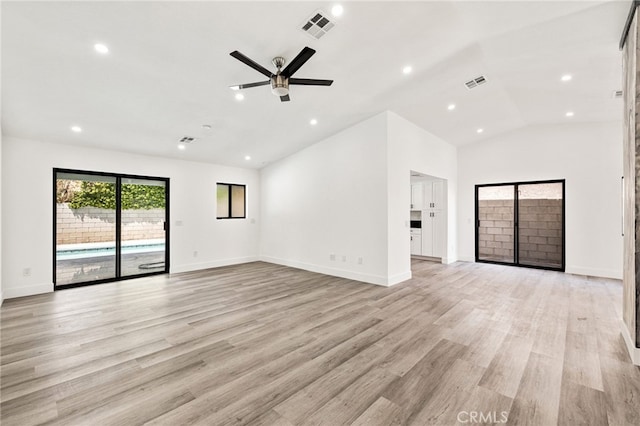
(437, 240)
(427, 233)
(416, 244)
(437, 194)
(417, 196)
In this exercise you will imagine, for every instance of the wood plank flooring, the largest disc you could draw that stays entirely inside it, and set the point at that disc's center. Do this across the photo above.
(265, 344)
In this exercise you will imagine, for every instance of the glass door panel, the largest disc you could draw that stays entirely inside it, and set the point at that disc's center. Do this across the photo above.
(85, 248)
(540, 213)
(521, 224)
(142, 232)
(495, 213)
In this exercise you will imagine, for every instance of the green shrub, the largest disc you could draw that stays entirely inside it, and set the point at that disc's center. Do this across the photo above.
(103, 195)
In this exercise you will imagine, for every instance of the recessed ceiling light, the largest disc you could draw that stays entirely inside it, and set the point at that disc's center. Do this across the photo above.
(480, 130)
(239, 96)
(407, 69)
(76, 129)
(101, 48)
(182, 146)
(234, 87)
(313, 122)
(451, 107)
(337, 10)
(206, 126)
(566, 77)
(247, 157)
(569, 114)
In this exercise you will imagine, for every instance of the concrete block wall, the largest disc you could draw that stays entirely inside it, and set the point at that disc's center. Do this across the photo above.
(540, 238)
(495, 236)
(93, 225)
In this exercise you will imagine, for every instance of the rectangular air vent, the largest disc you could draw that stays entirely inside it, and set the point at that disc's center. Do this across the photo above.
(187, 139)
(317, 25)
(475, 82)
(617, 94)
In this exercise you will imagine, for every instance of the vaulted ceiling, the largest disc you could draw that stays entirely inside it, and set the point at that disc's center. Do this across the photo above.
(168, 71)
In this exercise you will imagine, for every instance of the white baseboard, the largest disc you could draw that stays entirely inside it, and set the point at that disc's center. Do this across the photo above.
(342, 273)
(569, 269)
(594, 272)
(212, 264)
(467, 258)
(398, 278)
(634, 352)
(28, 290)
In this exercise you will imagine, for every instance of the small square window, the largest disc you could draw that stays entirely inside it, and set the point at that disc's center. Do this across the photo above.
(231, 200)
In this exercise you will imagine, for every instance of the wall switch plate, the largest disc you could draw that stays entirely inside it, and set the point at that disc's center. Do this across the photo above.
(332, 257)
(26, 272)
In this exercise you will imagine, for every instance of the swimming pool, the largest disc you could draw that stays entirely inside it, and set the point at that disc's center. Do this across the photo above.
(81, 251)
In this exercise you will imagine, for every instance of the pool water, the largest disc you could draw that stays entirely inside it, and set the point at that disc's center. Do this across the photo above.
(78, 252)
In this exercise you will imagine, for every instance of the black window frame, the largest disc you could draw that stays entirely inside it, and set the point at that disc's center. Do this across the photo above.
(118, 227)
(230, 205)
(516, 226)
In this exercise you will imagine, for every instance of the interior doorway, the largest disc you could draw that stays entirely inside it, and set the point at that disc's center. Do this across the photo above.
(108, 227)
(428, 217)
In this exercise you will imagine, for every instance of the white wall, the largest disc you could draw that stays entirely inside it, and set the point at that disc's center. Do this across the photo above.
(328, 199)
(27, 203)
(1, 281)
(350, 195)
(412, 148)
(588, 156)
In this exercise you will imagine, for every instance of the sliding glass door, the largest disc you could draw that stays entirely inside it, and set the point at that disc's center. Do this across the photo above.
(85, 227)
(108, 227)
(521, 224)
(541, 225)
(143, 226)
(496, 208)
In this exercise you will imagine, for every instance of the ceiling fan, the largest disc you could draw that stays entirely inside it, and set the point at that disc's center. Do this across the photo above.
(282, 78)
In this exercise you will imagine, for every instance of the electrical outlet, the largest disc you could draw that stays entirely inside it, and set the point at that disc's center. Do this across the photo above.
(26, 272)
(195, 253)
(344, 258)
(332, 257)
(360, 261)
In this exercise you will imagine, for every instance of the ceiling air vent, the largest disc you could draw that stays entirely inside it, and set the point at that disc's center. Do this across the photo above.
(475, 82)
(617, 94)
(187, 139)
(317, 25)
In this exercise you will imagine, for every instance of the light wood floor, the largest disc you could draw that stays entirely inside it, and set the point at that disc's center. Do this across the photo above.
(270, 345)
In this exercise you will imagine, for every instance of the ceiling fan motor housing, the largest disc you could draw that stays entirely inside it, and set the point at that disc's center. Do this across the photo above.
(279, 85)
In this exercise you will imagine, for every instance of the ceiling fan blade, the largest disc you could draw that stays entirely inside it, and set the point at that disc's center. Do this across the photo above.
(310, 82)
(298, 61)
(284, 98)
(256, 66)
(249, 85)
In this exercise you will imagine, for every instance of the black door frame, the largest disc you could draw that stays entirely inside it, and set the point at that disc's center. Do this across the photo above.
(118, 237)
(516, 229)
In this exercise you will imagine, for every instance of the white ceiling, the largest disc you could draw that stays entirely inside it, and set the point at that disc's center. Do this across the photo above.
(169, 69)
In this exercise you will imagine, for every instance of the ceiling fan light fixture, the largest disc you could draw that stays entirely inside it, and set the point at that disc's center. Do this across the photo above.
(279, 85)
